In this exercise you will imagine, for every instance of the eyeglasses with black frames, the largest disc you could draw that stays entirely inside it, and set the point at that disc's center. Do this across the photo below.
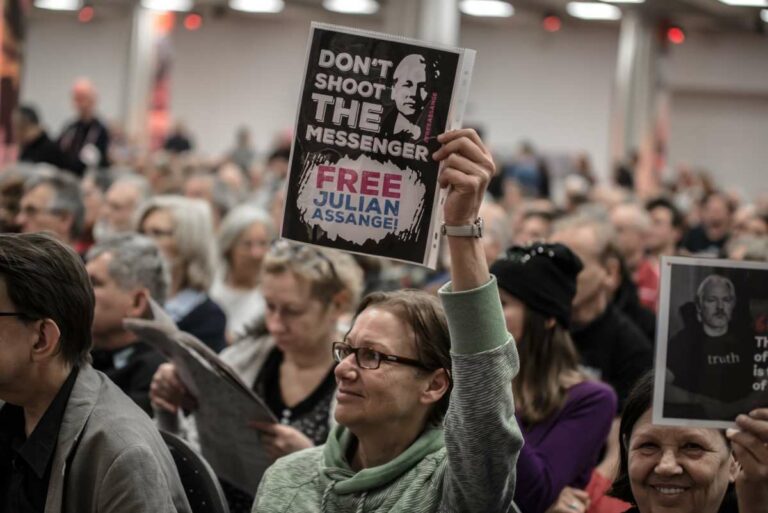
(368, 358)
(20, 315)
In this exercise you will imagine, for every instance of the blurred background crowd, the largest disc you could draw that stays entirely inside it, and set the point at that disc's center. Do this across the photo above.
(196, 226)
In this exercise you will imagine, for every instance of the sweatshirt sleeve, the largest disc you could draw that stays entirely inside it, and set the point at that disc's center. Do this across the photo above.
(569, 450)
(482, 437)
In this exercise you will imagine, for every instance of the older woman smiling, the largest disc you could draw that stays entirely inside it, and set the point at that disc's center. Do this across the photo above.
(691, 470)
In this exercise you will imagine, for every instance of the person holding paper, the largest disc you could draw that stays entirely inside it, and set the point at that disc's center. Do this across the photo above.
(286, 356)
(425, 409)
(688, 469)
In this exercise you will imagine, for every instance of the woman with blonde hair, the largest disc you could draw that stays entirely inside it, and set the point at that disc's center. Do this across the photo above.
(286, 357)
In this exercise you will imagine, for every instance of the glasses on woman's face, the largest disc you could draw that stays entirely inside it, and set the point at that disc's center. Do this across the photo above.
(157, 233)
(368, 358)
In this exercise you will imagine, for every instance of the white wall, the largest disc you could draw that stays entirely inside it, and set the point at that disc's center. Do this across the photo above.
(553, 89)
(719, 108)
(241, 71)
(719, 62)
(725, 134)
(59, 50)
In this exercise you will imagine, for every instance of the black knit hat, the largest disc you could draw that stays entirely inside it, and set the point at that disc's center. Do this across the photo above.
(543, 276)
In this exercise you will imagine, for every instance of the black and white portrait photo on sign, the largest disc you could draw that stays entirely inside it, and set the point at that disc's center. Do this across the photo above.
(409, 93)
(362, 177)
(712, 341)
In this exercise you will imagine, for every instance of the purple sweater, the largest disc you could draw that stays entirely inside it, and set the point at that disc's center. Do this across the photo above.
(563, 450)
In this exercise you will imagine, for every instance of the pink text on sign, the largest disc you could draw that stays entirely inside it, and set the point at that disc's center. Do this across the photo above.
(368, 183)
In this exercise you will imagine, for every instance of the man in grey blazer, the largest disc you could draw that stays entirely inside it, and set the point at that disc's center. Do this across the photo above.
(70, 440)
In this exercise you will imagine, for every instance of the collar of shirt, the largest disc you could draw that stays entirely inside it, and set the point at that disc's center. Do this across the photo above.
(180, 305)
(120, 358)
(37, 450)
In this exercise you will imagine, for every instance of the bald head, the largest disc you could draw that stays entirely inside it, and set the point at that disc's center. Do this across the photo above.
(632, 224)
(84, 98)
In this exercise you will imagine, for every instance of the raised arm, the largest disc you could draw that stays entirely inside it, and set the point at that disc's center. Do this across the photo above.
(467, 169)
(482, 438)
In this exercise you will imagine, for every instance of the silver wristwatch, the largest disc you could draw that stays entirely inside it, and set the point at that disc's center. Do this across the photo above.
(468, 230)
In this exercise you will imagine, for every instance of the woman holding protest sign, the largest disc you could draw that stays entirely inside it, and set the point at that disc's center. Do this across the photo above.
(565, 417)
(425, 411)
(691, 470)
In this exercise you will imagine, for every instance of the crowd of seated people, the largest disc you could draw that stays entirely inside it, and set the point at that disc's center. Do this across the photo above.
(523, 386)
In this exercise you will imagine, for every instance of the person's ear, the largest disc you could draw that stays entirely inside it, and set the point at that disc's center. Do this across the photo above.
(340, 301)
(550, 323)
(47, 338)
(437, 386)
(139, 304)
(613, 273)
(67, 219)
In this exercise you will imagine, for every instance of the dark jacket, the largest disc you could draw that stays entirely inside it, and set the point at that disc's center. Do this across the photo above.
(614, 347)
(208, 322)
(135, 374)
(42, 150)
(77, 135)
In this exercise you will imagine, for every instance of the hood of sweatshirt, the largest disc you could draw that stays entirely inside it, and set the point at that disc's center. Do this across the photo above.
(345, 480)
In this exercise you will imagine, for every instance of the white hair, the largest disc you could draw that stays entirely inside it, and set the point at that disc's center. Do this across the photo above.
(236, 222)
(713, 279)
(193, 233)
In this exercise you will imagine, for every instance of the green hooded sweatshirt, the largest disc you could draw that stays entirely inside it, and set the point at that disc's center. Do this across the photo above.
(466, 466)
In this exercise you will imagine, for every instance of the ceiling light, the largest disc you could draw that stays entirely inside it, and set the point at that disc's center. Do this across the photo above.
(764, 15)
(746, 3)
(624, 1)
(352, 6)
(167, 5)
(257, 5)
(487, 8)
(58, 5)
(593, 11)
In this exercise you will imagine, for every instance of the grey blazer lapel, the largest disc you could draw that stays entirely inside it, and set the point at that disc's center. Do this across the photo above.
(81, 402)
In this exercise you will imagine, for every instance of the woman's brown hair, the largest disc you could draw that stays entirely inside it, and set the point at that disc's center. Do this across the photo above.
(546, 354)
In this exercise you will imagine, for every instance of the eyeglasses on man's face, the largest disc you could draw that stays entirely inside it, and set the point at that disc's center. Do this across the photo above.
(32, 211)
(368, 358)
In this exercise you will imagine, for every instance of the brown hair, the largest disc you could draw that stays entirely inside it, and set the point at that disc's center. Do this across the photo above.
(47, 280)
(546, 353)
(424, 314)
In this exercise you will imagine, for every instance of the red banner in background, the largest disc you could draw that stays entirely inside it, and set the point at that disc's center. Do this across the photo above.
(11, 60)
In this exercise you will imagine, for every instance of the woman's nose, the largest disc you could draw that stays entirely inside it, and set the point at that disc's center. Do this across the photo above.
(668, 464)
(347, 368)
